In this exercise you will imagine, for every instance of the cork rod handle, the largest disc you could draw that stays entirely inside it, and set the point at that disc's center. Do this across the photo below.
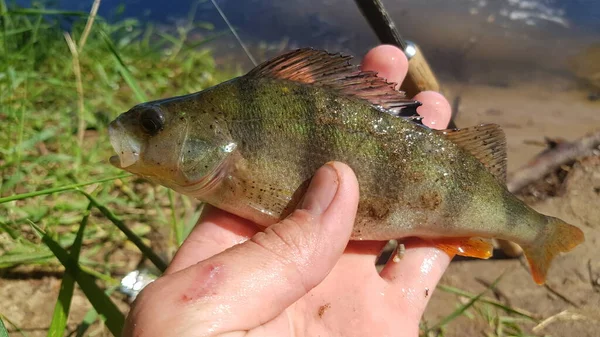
(419, 77)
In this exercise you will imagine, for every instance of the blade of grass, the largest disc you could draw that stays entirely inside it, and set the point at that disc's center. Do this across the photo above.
(89, 24)
(192, 222)
(16, 31)
(465, 306)
(59, 189)
(21, 129)
(122, 67)
(13, 233)
(35, 11)
(149, 253)
(80, 98)
(205, 40)
(3, 13)
(184, 31)
(106, 278)
(145, 42)
(489, 301)
(3, 331)
(91, 316)
(35, 30)
(176, 228)
(29, 143)
(99, 300)
(63, 304)
(168, 37)
(8, 260)
(23, 333)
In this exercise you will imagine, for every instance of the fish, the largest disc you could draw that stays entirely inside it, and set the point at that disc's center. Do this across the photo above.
(250, 146)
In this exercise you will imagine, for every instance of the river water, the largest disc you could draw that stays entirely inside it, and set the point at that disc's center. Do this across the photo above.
(482, 40)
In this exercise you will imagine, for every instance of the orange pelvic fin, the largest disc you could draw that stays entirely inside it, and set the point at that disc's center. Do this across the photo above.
(471, 247)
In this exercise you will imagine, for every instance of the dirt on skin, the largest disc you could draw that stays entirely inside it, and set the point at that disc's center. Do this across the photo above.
(570, 302)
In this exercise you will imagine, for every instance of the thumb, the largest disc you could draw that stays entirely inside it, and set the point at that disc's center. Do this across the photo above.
(251, 283)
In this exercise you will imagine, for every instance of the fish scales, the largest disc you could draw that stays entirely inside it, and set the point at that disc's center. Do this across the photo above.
(250, 146)
(297, 128)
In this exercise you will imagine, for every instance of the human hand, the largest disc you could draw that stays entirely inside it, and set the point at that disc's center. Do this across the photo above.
(299, 277)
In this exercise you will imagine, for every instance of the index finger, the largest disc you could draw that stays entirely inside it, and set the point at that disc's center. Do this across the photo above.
(390, 63)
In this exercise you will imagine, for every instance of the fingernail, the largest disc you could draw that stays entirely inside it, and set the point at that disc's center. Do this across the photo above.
(321, 190)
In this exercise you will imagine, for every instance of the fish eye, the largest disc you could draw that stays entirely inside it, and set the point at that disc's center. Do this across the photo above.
(152, 121)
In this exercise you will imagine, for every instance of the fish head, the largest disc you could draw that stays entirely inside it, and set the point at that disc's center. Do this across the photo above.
(171, 145)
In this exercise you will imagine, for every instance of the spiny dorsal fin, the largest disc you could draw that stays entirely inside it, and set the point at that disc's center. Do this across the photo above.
(334, 71)
(486, 142)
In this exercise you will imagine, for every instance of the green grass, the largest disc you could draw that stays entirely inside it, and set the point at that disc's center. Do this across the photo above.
(502, 320)
(62, 206)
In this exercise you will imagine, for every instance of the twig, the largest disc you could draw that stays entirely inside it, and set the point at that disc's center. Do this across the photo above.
(89, 24)
(561, 296)
(79, 84)
(595, 282)
(552, 159)
(563, 315)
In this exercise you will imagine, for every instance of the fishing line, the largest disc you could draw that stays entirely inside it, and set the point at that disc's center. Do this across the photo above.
(234, 33)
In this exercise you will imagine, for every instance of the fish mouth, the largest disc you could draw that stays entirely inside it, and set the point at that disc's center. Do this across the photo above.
(124, 144)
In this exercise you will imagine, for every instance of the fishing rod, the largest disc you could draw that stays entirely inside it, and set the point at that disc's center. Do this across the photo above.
(419, 77)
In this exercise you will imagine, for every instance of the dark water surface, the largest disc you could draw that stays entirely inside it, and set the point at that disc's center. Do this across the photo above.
(489, 39)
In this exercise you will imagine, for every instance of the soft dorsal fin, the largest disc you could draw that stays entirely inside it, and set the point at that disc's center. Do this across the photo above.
(334, 71)
(486, 142)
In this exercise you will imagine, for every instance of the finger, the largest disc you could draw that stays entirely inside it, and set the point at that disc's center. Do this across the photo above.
(215, 232)
(416, 274)
(258, 279)
(436, 110)
(391, 63)
(388, 61)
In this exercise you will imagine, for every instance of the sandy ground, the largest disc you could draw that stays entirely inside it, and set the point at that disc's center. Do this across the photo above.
(570, 305)
(528, 114)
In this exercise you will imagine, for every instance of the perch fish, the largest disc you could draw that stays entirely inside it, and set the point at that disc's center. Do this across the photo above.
(250, 145)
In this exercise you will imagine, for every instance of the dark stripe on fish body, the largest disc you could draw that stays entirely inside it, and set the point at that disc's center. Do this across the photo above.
(330, 138)
(513, 214)
(471, 182)
(356, 116)
(250, 124)
(382, 174)
(308, 97)
(518, 215)
(457, 189)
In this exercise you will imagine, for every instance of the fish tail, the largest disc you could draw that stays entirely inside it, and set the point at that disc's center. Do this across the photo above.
(558, 236)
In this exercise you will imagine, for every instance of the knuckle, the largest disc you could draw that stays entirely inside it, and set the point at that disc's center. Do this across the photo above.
(291, 242)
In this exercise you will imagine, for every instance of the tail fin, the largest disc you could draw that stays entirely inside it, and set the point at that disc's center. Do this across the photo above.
(558, 236)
